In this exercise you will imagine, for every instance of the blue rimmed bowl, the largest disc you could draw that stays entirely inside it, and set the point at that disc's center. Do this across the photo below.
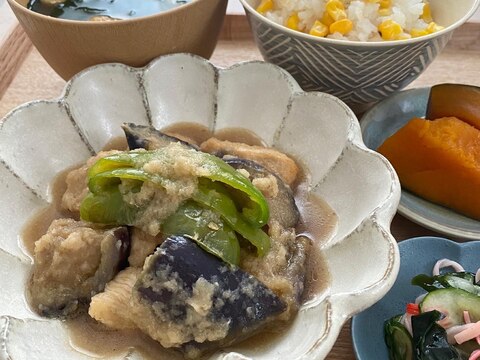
(417, 256)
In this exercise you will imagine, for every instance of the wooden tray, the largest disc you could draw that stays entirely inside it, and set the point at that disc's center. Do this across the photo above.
(14, 46)
(34, 79)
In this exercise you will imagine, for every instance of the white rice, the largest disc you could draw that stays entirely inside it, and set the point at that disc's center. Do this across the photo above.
(364, 15)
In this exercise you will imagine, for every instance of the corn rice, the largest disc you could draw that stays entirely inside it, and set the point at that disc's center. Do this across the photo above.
(358, 20)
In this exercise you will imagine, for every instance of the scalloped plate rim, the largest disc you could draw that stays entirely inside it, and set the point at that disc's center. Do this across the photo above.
(380, 216)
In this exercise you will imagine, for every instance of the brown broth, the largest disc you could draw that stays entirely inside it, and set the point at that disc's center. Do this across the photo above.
(192, 133)
(317, 222)
(38, 224)
(92, 338)
(197, 134)
(117, 143)
(240, 135)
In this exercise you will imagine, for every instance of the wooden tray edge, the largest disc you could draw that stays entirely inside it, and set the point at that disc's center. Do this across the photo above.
(236, 27)
(12, 54)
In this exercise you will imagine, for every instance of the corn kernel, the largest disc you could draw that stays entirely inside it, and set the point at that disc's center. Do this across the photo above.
(319, 29)
(385, 4)
(384, 12)
(327, 19)
(427, 13)
(343, 26)
(292, 22)
(265, 6)
(336, 10)
(418, 32)
(390, 30)
(433, 27)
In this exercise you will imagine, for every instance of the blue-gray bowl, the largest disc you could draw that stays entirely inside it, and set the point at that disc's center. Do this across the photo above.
(417, 255)
(359, 73)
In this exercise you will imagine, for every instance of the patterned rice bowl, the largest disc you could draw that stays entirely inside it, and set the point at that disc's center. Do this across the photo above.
(42, 138)
(359, 73)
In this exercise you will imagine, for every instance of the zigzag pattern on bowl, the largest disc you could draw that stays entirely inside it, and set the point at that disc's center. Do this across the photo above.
(356, 76)
(40, 139)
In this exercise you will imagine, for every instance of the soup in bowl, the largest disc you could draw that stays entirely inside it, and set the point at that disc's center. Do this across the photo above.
(102, 10)
(70, 46)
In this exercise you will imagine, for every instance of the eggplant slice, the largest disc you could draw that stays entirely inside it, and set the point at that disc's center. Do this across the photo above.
(73, 262)
(188, 298)
(149, 138)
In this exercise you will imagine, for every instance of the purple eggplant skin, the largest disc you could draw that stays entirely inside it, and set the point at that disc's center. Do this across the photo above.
(282, 207)
(123, 234)
(249, 306)
(149, 138)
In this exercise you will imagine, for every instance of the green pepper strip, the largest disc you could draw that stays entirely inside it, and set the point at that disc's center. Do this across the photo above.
(214, 197)
(256, 211)
(106, 179)
(104, 204)
(107, 208)
(205, 229)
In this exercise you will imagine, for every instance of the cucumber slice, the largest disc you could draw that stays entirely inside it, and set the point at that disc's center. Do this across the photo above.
(398, 339)
(452, 302)
(459, 280)
(466, 284)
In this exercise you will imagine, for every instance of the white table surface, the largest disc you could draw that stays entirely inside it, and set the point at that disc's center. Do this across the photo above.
(234, 7)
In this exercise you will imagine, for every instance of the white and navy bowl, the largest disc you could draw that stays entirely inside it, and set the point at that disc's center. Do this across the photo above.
(40, 139)
(357, 72)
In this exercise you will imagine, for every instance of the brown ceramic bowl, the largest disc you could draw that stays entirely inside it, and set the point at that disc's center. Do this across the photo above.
(70, 46)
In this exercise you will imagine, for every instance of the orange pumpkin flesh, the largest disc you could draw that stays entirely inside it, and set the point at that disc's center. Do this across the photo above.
(461, 101)
(439, 161)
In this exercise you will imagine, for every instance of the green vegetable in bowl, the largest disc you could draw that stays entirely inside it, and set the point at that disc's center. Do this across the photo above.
(444, 324)
(398, 339)
(430, 339)
(459, 280)
(206, 228)
(108, 172)
(175, 174)
(453, 302)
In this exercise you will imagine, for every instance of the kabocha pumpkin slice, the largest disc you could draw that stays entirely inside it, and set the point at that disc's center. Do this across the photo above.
(461, 101)
(439, 161)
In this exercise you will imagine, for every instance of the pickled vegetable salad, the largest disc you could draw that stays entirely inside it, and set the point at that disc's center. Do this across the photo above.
(444, 323)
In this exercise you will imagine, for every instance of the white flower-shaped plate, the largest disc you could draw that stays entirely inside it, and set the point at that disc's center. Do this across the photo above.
(40, 139)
